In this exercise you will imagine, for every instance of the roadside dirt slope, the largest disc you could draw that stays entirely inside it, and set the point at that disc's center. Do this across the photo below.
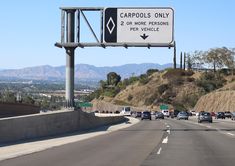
(217, 101)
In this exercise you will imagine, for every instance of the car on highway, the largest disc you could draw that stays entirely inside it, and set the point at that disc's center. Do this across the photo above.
(182, 115)
(213, 114)
(233, 116)
(193, 113)
(138, 114)
(126, 111)
(204, 116)
(227, 114)
(146, 115)
(220, 115)
(166, 113)
(159, 115)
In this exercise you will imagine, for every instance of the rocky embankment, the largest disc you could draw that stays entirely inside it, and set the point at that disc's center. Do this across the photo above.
(217, 101)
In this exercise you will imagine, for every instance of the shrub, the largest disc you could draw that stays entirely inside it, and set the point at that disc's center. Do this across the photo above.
(143, 79)
(179, 106)
(120, 102)
(173, 73)
(111, 92)
(176, 81)
(151, 71)
(190, 99)
(133, 80)
(225, 72)
(210, 81)
(150, 100)
(162, 88)
(130, 97)
(190, 79)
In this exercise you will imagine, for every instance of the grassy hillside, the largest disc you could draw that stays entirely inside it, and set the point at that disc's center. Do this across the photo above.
(175, 87)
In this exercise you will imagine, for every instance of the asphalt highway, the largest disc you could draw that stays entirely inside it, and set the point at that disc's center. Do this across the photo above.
(157, 142)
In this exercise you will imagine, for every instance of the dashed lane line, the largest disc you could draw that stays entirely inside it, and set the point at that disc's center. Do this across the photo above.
(165, 140)
(168, 131)
(159, 150)
(230, 134)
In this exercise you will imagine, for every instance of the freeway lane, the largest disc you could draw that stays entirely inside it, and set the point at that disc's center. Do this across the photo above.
(157, 142)
(128, 147)
(194, 144)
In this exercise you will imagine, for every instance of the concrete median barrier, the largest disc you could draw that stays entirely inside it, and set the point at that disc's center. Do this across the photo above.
(51, 124)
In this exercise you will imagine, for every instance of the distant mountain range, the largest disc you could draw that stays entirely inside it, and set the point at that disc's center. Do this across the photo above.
(83, 72)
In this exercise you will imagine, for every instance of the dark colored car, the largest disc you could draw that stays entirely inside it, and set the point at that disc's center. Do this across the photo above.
(182, 115)
(138, 114)
(212, 113)
(220, 115)
(227, 114)
(146, 115)
(174, 113)
(204, 116)
(159, 115)
(233, 115)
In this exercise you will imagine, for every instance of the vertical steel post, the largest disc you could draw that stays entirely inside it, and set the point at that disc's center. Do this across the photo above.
(62, 25)
(78, 26)
(70, 35)
(101, 26)
(174, 59)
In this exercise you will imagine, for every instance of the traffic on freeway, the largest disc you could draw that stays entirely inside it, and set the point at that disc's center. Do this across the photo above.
(162, 142)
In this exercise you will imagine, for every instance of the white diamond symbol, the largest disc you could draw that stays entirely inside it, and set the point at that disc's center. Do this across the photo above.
(110, 25)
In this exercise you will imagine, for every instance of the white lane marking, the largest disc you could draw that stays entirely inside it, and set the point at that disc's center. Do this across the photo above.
(230, 134)
(159, 151)
(208, 126)
(166, 123)
(168, 131)
(165, 140)
(168, 126)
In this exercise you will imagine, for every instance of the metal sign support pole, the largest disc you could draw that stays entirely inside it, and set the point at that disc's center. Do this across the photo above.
(174, 59)
(70, 35)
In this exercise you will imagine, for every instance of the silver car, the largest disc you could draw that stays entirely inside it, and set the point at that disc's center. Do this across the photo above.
(233, 115)
(182, 115)
(204, 116)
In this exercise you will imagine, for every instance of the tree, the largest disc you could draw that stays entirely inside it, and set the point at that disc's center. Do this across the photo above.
(9, 97)
(181, 60)
(113, 79)
(214, 58)
(28, 100)
(184, 59)
(151, 71)
(219, 57)
(195, 59)
(228, 58)
(189, 62)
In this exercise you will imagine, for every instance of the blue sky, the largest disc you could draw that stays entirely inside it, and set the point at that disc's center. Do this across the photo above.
(29, 29)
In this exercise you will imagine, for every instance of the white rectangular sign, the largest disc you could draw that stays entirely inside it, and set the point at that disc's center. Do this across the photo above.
(139, 25)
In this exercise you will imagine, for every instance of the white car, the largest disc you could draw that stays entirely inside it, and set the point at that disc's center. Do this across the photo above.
(194, 113)
(166, 113)
(126, 111)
